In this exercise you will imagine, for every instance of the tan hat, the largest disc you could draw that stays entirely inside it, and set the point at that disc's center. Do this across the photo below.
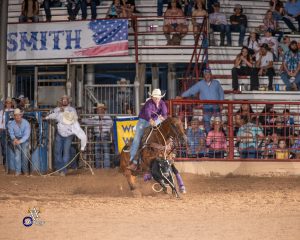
(215, 119)
(101, 105)
(65, 96)
(123, 80)
(69, 118)
(17, 111)
(9, 99)
(156, 93)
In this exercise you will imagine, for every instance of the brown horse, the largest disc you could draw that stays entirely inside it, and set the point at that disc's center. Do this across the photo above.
(171, 128)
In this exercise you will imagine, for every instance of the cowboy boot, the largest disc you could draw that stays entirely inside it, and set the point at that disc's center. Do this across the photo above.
(180, 183)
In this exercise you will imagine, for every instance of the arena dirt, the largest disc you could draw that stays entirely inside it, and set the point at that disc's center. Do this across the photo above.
(81, 206)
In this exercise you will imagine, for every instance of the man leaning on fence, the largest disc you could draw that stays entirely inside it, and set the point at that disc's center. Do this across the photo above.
(19, 133)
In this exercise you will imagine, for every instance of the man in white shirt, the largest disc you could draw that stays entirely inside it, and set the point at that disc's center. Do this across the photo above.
(271, 41)
(7, 108)
(264, 64)
(67, 126)
(218, 23)
(102, 128)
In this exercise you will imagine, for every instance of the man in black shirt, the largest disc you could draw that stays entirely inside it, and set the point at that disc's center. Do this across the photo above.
(239, 23)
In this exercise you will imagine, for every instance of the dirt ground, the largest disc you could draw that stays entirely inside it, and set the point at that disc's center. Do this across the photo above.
(82, 206)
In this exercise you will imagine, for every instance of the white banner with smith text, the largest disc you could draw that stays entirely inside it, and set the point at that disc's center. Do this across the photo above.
(67, 39)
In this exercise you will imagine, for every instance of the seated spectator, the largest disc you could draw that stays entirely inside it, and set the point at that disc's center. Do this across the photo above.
(264, 64)
(267, 119)
(252, 43)
(128, 8)
(238, 23)
(271, 23)
(291, 66)
(198, 18)
(243, 66)
(295, 149)
(174, 22)
(271, 41)
(30, 11)
(73, 7)
(282, 152)
(237, 124)
(292, 9)
(115, 9)
(196, 146)
(283, 47)
(279, 14)
(160, 6)
(47, 4)
(246, 110)
(218, 23)
(216, 140)
(271, 146)
(19, 133)
(247, 138)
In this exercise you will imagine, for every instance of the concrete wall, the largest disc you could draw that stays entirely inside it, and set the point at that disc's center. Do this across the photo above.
(213, 168)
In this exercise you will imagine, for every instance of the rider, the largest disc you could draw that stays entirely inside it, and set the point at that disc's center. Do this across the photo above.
(153, 112)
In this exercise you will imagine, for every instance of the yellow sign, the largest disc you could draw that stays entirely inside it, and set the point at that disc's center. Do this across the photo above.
(123, 131)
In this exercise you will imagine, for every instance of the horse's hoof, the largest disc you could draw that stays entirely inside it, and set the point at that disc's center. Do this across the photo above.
(182, 190)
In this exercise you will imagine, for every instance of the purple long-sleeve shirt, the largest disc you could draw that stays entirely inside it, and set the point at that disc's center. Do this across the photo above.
(150, 110)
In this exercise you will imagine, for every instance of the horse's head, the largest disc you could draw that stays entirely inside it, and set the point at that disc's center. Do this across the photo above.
(174, 129)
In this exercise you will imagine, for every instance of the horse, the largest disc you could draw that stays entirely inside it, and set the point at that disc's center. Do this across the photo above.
(153, 137)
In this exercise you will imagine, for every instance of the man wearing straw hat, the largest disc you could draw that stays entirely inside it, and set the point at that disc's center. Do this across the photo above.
(67, 127)
(153, 112)
(19, 132)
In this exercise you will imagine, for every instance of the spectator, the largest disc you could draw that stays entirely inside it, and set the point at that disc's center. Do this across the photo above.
(279, 14)
(115, 9)
(295, 149)
(292, 9)
(67, 127)
(271, 41)
(174, 21)
(210, 4)
(264, 64)
(218, 23)
(271, 146)
(243, 66)
(73, 7)
(188, 6)
(291, 66)
(8, 107)
(252, 43)
(282, 152)
(283, 47)
(22, 102)
(267, 119)
(216, 140)
(19, 133)
(30, 11)
(238, 23)
(102, 130)
(195, 140)
(209, 89)
(271, 23)
(160, 6)
(247, 137)
(128, 8)
(47, 4)
(246, 110)
(198, 17)
(124, 98)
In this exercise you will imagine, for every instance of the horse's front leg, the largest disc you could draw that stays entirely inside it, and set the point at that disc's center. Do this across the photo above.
(130, 179)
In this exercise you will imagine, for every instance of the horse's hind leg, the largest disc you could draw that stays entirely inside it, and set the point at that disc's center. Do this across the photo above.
(130, 179)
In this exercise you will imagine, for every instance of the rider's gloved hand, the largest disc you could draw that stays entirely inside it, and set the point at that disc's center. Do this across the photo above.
(152, 122)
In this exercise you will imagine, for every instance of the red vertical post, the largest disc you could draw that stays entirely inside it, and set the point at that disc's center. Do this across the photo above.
(231, 136)
(136, 45)
(170, 108)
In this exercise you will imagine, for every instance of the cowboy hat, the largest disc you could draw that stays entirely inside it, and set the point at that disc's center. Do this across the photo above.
(21, 97)
(69, 118)
(156, 93)
(101, 105)
(215, 119)
(17, 111)
(9, 99)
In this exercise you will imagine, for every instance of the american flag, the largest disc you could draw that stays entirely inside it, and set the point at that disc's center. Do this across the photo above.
(110, 37)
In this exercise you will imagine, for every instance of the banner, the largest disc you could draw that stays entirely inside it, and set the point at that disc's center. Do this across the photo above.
(67, 39)
(123, 131)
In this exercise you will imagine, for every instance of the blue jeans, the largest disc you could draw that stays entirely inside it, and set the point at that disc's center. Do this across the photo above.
(249, 153)
(216, 153)
(72, 12)
(62, 151)
(102, 151)
(210, 110)
(140, 128)
(241, 29)
(286, 79)
(47, 9)
(21, 157)
(93, 10)
(3, 144)
(25, 18)
(224, 30)
(277, 16)
(160, 6)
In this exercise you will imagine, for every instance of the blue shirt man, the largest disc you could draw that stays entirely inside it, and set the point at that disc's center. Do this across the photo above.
(153, 112)
(19, 133)
(208, 89)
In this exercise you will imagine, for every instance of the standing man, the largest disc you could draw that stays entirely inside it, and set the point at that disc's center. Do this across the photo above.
(153, 112)
(291, 66)
(103, 124)
(19, 133)
(208, 89)
(67, 127)
(7, 108)
(239, 23)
